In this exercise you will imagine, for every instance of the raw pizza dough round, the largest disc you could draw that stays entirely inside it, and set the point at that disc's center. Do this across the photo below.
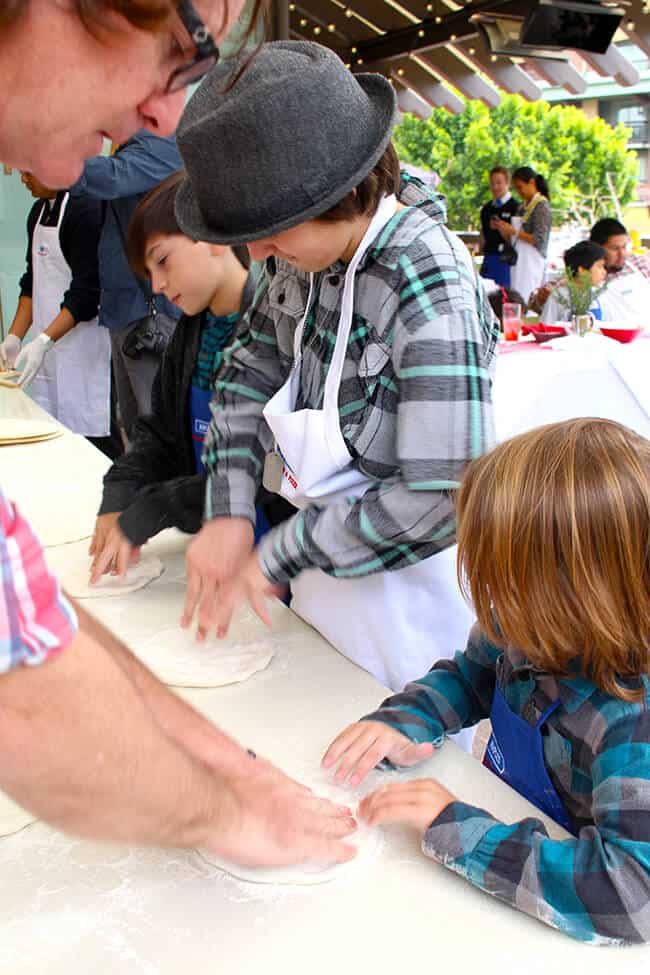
(367, 840)
(76, 579)
(177, 658)
(12, 816)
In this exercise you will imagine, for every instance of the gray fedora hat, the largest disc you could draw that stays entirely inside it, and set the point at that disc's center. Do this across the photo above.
(292, 136)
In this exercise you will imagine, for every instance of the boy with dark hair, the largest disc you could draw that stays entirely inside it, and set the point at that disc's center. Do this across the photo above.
(160, 482)
(584, 256)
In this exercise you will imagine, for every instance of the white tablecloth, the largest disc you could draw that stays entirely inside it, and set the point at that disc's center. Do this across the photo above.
(69, 905)
(537, 384)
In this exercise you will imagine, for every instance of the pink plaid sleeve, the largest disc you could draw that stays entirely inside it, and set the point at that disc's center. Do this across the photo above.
(36, 620)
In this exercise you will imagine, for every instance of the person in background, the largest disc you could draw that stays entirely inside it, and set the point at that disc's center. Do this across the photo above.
(560, 661)
(120, 181)
(502, 206)
(135, 78)
(584, 256)
(359, 384)
(501, 295)
(60, 671)
(529, 231)
(628, 275)
(67, 363)
(161, 481)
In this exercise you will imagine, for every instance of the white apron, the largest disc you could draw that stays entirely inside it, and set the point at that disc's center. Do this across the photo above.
(394, 624)
(73, 383)
(527, 275)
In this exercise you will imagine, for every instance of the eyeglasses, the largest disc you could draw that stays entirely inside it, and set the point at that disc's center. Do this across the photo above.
(207, 52)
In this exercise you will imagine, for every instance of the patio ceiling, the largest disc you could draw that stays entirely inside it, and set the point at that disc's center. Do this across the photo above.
(432, 50)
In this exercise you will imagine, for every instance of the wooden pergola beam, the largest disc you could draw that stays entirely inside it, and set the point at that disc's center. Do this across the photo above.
(428, 34)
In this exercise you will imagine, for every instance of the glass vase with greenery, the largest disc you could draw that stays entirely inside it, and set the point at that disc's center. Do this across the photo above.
(577, 293)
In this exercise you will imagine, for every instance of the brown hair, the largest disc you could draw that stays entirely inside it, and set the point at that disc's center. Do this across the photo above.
(154, 215)
(383, 179)
(149, 15)
(500, 169)
(554, 548)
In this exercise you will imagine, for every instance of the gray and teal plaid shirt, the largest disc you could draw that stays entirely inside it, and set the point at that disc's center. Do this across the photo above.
(594, 887)
(414, 402)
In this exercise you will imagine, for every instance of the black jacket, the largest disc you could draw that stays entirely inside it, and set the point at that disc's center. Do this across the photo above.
(155, 484)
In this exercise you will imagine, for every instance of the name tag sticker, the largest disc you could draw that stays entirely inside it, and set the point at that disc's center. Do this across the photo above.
(272, 476)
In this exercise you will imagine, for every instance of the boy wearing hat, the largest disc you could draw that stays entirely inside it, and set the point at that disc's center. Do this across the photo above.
(359, 384)
(160, 483)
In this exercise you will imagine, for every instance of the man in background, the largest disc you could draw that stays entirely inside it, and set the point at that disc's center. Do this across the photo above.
(495, 249)
(628, 275)
(120, 181)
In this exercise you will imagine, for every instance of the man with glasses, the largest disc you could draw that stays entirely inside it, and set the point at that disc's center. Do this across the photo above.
(72, 74)
(91, 741)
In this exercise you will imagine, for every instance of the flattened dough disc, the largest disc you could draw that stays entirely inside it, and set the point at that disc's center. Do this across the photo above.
(176, 658)
(72, 566)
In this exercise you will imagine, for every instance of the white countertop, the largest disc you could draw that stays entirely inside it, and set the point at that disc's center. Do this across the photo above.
(69, 905)
(535, 384)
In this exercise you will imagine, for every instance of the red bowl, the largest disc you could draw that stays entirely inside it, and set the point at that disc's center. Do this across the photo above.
(542, 332)
(621, 334)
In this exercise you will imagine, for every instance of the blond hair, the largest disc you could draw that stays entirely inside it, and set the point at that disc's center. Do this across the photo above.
(554, 549)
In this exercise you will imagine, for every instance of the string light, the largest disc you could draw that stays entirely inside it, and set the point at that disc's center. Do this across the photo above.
(349, 13)
(452, 37)
(317, 29)
(292, 6)
(420, 33)
(303, 21)
(354, 50)
(331, 28)
(359, 60)
(438, 19)
(400, 72)
(472, 51)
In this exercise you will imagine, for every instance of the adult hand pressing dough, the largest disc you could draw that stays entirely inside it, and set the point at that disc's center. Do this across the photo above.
(368, 841)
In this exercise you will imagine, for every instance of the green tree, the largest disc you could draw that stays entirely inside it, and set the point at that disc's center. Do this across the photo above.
(584, 159)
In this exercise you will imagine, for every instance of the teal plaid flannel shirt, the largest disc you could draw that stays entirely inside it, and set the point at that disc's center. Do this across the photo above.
(414, 403)
(595, 887)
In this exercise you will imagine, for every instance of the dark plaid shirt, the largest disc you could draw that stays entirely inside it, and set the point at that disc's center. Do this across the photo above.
(414, 403)
(595, 887)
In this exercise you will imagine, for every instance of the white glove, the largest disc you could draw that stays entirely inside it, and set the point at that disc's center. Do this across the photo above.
(9, 350)
(31, 358)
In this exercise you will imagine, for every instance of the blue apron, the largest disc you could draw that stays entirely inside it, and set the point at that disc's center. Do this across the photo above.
(496, 270)
(200, 417)
(515, 753)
